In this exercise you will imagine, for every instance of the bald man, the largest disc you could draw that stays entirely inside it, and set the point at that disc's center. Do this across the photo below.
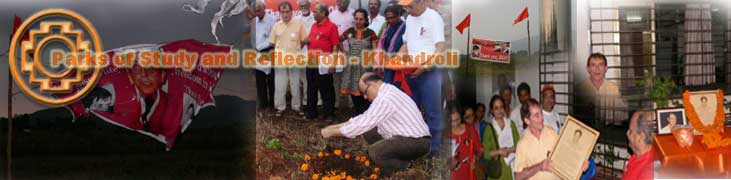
(392, 125)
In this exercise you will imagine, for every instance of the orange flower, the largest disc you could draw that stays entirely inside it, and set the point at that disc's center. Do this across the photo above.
(307, 157)
(315, 176)
(373, 176)
(304, 167)
(342, 175)
(347, 156)
(367, 163)
(320, 154)
(349, 178)
(338, 152)
(376, 169)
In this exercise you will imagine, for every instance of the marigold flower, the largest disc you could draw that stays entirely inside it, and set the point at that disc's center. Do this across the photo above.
(304, 167)
(347, 156)
(367, 163)
(373, 176)
(320, 154)
(376, 169)
(315, 176)
(338, 152)
(307, 157)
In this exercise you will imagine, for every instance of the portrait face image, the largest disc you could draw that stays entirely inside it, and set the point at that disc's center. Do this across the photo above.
(667, 119)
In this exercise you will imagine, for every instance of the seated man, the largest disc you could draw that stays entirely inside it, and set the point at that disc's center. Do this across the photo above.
(392, 126)
(531, 153)
(640, 140)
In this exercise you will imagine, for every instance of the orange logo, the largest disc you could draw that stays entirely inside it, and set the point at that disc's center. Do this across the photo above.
(33, 72)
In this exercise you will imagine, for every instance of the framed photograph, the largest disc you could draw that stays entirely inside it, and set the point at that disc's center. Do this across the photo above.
(575, 143)
(669, 118)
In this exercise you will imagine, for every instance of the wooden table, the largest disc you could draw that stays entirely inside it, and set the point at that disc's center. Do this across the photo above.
(692, 162)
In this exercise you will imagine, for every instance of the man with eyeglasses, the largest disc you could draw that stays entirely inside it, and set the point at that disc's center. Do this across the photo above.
(392, 126)
(424, 34)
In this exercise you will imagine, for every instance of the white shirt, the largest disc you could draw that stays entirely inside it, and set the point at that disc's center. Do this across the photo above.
(263, 31)
(505, 139)
(421, 34)
(393, 112)
(515, 116)
(551, 119)
(343, 20)
(377, 23)
(308, 21)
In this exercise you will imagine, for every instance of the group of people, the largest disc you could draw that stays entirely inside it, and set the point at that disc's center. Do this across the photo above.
(500, 141)
(397, 110)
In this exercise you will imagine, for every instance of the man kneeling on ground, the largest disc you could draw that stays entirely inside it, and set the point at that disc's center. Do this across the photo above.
(392, 126)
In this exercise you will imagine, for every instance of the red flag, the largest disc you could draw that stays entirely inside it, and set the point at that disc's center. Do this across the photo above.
(16, 24)
(523, 15)
(464, 24)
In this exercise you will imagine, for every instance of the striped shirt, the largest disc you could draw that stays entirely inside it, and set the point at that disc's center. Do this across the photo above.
(393, 112)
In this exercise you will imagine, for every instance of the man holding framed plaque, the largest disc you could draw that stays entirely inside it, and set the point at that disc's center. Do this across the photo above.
(534, 158)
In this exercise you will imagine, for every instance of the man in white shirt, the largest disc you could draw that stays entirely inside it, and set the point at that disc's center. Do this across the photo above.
(523, 96)
(308, 20)
(426, 82)
(392, 125)
(262, 28)
(376, 20)
(548, 101)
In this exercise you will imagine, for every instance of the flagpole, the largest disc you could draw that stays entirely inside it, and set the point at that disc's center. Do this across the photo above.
(469, 56)
(9, 148)
(528, 30)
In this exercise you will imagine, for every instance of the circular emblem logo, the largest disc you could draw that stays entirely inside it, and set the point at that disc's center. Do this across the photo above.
(53, 56)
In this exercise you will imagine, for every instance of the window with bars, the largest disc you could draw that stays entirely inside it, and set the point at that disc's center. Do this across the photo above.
(688, 43)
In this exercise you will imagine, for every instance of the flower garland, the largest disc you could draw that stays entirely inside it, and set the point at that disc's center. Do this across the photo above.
(711, 133)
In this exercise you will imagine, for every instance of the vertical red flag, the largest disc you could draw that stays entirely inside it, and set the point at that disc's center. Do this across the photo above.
(464, 24)
(16, 24)
(523, 15)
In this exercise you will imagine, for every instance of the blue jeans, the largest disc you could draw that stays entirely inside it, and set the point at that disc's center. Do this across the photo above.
(427, 93)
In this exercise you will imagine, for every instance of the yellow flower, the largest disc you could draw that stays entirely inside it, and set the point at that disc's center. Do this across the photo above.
(373, 176)
(320, 154)
(325, 178)
(342, 175)
(376, 169)
(307, 157)
(367, 163)
(338, 152)
(304, 167)
(315, 176)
